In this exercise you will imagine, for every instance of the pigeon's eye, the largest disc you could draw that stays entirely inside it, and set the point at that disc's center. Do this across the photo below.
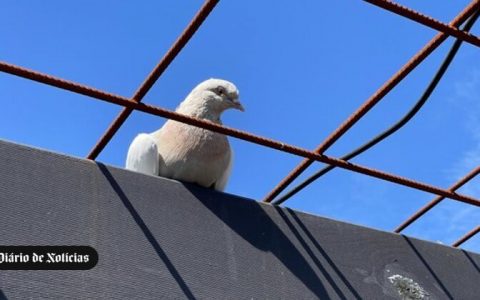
(221, 91)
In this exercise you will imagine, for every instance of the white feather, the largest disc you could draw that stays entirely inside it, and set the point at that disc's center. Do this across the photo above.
(143, 156)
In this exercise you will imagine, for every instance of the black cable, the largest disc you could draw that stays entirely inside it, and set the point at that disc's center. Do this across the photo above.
(423, 99)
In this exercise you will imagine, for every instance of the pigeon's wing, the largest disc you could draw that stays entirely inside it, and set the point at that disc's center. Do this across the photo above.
(222, 181)
(143, 155)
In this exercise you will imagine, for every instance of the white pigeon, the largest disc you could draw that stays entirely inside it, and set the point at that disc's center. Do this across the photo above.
(187, 153)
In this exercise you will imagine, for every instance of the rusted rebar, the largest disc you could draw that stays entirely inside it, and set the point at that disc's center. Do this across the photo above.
(466, 237)
(177, 46)
(395, 127)
(58, 82)
(374, 99)
(150, 109)
(426, 20)
(437, 200)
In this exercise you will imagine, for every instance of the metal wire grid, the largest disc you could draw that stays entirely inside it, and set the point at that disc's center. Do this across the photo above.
(134, 103)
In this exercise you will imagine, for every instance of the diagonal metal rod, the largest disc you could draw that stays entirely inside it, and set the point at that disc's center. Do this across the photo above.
(453, 188)
(395, 127)
(150, 109)
(182, 40)
(437, 200)
(373, 100)
(466, 237)
(426, 20)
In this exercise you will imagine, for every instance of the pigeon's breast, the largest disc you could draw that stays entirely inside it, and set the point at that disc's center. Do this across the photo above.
(194, 154)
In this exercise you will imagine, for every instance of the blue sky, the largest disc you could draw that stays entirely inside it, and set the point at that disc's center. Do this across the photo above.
(302, 67)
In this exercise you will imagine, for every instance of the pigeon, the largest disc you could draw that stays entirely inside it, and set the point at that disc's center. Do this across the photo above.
(188, 153)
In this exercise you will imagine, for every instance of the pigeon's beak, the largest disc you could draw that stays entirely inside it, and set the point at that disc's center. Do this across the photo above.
(238, 105)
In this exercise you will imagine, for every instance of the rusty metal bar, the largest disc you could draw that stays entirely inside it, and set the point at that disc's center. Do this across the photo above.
(466, 237)
(398, 125)
(426, 20)
(182, 40)
(58, 82)
(150, 109)
(437, 200)
(374, 99)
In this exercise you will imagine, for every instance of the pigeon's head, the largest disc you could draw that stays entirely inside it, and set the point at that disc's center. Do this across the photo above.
(210, 98)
